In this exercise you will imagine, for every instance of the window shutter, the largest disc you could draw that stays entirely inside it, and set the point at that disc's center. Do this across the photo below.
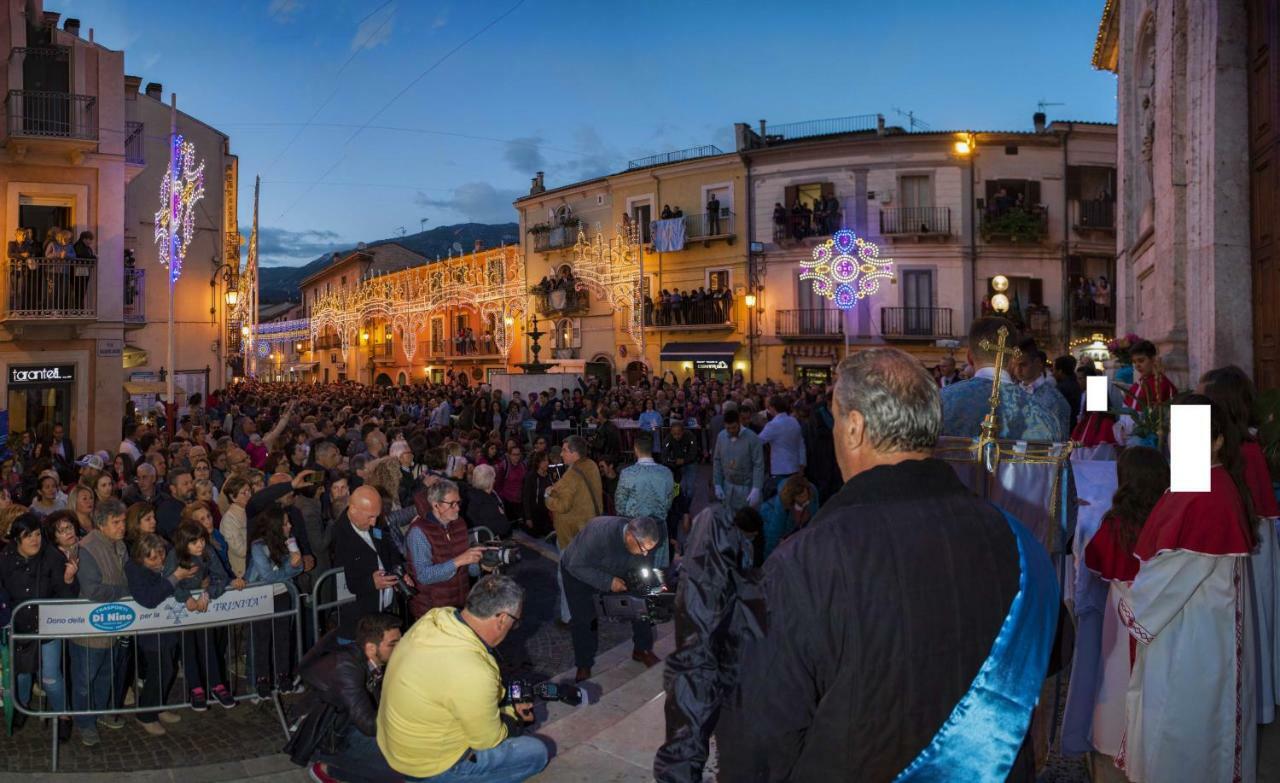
(576, 326)
(1074, 178)
(790, 197)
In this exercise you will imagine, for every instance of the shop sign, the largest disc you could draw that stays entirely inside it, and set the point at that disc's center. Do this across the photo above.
(710, 364)
(32, 376)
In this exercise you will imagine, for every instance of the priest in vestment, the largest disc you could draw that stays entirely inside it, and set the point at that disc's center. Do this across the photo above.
(1029, 369)
(909, 625)
(1191, 705)
(965, 404)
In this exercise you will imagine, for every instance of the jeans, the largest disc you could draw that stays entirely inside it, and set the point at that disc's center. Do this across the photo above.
(513, 760)
(94, 672)
(51, 679)
(360, 761)
(583, 625)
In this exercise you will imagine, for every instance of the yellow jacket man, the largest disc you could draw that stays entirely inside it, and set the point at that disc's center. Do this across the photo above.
(578, 497)
(439, 718)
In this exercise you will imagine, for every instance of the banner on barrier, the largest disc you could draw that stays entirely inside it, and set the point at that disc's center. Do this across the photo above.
(120, 617)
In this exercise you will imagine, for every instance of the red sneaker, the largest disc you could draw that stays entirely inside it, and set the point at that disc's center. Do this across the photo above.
(319, 772)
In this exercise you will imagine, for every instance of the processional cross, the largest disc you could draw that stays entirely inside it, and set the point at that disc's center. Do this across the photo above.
(987, 446)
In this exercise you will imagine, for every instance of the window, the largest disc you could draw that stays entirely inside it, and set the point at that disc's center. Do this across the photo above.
(722, 194)
(717, 279)
(437, 335)
(1003, 194)
(564, 333)
(1011, 149)
(915, 191)
(917, 301)
(642, 215)
(807, 298)
(344, 281)
(459, 324)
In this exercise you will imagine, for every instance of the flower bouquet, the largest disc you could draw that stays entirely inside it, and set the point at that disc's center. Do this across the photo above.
(1121, 346)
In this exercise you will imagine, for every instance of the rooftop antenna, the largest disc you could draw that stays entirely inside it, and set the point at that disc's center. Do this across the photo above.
(401, 230)
(1042, 103)
(912, 121)
(422, 224)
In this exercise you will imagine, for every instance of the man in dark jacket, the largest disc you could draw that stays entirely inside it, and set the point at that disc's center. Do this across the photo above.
(169, 506)
(344, 685)
(884, 610)
(1064, 375)
(363, 549)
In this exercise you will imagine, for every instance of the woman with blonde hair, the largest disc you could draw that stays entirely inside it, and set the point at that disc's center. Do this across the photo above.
(81, 503)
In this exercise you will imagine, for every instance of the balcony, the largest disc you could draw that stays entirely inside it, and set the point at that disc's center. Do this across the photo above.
(705, 315)
(819, 324)
(560, 301)
(798, 227)
(328, 342)
(135, 297)
(50, 120)
(133, 144)
(707, 227)
(51, 289)
(925, 323)
(1015, 225)
(916, 222)
(558, 236)
(452, 348)
(1090, 215)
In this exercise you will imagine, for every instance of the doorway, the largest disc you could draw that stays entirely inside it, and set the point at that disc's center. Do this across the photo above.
(37, 409)
(40, 218)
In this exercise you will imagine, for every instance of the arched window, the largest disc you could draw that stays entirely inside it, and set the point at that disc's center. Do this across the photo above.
(564, 333)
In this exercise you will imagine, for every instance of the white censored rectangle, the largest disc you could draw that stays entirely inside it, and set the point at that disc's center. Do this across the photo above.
(1189, 448)
(1095, 393)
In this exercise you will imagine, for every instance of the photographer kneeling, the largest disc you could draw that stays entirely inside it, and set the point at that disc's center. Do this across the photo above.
(600, 558)
(344, 684)
(440, 718)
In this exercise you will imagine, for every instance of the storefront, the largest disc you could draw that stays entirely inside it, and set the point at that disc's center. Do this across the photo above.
(706, 360)
(40, 397)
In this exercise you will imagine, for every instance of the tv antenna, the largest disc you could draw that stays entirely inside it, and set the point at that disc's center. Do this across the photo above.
(422, 224)
(1042, 104)
(401, 230)
(913, 122)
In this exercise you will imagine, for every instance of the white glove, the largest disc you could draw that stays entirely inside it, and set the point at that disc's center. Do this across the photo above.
(753, 498)
(719, 493)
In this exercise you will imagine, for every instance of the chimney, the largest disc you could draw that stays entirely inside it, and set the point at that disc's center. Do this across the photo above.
(155, 90)
(537, 186)
(762, 134)
(479, 246)
(50, 19)
(131, 85)
(1037, 120)
(72, 26)
(879, 124)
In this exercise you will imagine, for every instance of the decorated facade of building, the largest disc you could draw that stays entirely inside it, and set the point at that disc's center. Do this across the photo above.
(643, 271)
(952, 209)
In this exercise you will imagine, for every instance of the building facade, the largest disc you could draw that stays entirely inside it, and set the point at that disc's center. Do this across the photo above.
(953, 210)
(64, 168)
(201, 311)
(643, 271)
(1197, 217)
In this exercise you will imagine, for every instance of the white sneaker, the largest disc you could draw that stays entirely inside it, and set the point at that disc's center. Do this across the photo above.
(153, 728)
(170, 717)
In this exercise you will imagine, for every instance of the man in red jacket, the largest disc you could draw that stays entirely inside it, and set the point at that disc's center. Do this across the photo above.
(437, 550)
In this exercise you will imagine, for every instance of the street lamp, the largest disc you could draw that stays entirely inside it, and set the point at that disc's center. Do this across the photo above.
(751, 300)
(1000, 301)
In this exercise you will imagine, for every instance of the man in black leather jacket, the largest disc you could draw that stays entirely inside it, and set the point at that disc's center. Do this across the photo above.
(344, 683)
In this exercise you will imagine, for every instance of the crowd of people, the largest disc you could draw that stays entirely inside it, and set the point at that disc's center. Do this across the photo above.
(682, 307)
(820, 216)
(826, 516)
(37, 281)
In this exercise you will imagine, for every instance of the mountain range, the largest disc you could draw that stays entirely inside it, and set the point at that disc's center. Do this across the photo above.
(280, 283)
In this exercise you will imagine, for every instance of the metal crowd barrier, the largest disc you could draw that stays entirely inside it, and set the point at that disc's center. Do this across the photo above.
(325, 599)
(132, 631)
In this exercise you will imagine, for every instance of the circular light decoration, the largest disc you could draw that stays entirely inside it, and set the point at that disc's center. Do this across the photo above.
(1000, 303)
(846, 268)
(264, 349)
(1000, 283)
(181, 188)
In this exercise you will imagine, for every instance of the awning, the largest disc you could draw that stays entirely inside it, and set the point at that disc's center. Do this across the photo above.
(145, 387)
(692, 352)
(133, 356)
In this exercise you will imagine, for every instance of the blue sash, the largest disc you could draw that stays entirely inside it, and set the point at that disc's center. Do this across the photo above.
(981, 738)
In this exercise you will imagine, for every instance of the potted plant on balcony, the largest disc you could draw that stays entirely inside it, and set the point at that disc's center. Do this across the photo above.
(1013, 225)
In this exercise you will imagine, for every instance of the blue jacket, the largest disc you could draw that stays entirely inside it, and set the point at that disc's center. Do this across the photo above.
(263, 570)
(777, 520)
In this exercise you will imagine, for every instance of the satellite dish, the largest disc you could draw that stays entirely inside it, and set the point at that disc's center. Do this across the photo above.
(457, 247)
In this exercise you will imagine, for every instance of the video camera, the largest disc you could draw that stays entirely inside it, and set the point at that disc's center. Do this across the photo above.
(500, 553)
(556, 471)
(525, 692)
(646, 599)
(402, 586)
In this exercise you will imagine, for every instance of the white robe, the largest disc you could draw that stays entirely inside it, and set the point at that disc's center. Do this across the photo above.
(1113, 681)
(1191, 700)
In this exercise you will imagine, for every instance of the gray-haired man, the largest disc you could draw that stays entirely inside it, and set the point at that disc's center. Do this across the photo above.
(598, 561)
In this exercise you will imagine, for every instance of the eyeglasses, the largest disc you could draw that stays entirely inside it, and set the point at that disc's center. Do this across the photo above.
(515, 620)
(451, 502)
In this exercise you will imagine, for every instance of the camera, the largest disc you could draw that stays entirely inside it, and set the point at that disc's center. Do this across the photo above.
(501, 553)
(555, 470)
(646, 599)
(402, 586)
(525, 692)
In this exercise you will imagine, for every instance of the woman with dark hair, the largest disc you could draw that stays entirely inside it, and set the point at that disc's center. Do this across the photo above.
(202, 662)
(104, 486)
(139, 520)
(32, 569)
(150, 588)
(1142, 478)
(122, 471)
(537, 481)
(49, 497)
(274, 557)
(1192, 700)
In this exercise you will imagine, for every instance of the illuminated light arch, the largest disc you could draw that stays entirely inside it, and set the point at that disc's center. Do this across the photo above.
(846, 268)
(180, 191)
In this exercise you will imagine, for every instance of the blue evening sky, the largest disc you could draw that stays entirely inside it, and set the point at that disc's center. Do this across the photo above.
(320, 97)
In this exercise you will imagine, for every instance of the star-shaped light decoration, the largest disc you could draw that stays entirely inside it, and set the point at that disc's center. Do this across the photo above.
(182, 187)
(846, 268)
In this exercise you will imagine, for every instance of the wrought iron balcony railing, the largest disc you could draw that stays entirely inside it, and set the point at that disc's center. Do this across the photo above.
(814, 323)
(1095, 215)
(51, 289)
(708, 226)
(135, 296)
(930, 322)
(935, 221)
(547, 236)
(51, 115)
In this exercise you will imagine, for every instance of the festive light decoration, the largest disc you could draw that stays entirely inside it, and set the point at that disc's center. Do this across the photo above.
(610, 268)
(490, 283)
(181, 189)
(846, 268)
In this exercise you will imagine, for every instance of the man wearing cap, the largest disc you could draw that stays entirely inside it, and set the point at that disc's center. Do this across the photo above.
(90, 466)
